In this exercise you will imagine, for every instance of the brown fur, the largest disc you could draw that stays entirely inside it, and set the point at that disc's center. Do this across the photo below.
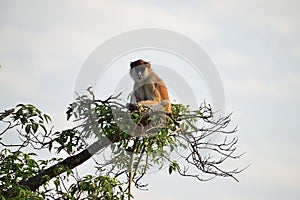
(150, 90)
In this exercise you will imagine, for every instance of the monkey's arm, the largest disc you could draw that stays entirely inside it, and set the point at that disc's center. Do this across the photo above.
(132, 98)
(158, 98)
(155, 105)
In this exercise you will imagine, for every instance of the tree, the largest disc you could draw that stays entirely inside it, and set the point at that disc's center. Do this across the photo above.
(136, 141)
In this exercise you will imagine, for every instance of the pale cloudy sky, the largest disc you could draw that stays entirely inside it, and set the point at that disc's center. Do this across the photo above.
(255, 46)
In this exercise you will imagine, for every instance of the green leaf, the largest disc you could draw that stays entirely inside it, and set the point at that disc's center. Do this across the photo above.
(27, 128)
(69, 111)
(174, 166)
(32, 154)
(170, 169)
(35, 127)
(56, 183)
(20, 105)
(47, 118)
(23, 120)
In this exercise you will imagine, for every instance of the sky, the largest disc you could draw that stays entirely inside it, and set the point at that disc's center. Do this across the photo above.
(254, 45)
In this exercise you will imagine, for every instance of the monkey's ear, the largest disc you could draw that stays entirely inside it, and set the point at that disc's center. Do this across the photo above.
(147, 64)
(131, 65)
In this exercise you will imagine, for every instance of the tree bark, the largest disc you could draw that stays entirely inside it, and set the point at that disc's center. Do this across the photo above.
(69, 163)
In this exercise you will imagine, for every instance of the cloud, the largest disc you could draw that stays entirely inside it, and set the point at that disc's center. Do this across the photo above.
(279, 16)
(272, 167)
(232, 59)
(285, 87)
(42, 50)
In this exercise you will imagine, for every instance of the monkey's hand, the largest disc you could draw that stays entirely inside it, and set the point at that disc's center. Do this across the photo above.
(154, 105)
(132, 106)
(161, 106)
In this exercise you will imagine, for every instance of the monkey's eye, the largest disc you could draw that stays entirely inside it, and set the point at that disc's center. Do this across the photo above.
(140, 69)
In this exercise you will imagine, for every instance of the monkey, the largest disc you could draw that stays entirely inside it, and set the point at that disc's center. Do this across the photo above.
(149, 89)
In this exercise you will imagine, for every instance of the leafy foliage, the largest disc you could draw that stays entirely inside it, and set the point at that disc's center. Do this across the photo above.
(137, 142)
(14, 167)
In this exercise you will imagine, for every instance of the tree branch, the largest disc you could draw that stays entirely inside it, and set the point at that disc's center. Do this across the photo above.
(6, 113)
(69, 163)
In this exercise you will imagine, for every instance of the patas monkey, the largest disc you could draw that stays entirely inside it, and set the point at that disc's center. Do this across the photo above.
(148, 90)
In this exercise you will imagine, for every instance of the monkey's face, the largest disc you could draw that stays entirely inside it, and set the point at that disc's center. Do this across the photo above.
(140, 73)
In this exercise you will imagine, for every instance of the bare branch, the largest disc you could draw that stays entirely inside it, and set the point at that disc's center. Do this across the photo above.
(6, 113)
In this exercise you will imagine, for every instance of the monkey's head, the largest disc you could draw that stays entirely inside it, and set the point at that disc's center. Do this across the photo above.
(139, 70)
